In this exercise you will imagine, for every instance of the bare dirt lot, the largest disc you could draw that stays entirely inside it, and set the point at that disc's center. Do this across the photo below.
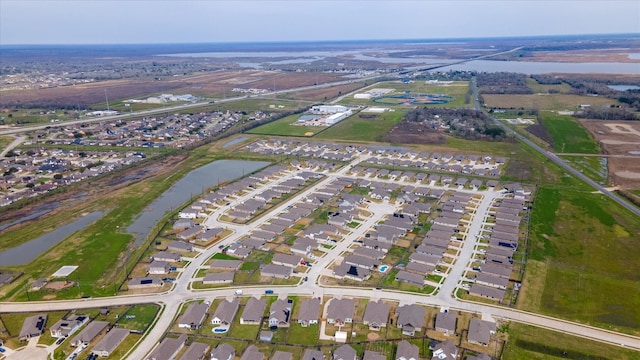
(620, 138)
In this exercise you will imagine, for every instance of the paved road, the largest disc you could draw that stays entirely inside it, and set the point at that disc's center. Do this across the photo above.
(553, 157)
(16, 142)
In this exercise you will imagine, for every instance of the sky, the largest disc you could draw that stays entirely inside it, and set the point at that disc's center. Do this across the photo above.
(213, 21)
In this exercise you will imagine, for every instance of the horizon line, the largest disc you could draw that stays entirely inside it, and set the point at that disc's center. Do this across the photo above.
(334, 40)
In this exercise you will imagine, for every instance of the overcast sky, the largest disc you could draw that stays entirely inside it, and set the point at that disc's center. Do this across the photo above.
(170, 21)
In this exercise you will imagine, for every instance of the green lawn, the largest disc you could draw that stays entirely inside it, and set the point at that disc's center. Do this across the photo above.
(284, 127)
(143, 316)
(583, 249)
(528, 342)
(568, 135)
(358, 129)
(593, 167)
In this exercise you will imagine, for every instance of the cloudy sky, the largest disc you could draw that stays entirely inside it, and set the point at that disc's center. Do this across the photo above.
(171, 21)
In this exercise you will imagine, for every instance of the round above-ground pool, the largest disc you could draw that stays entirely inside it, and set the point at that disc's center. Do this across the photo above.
(383, 268)
(220, 330)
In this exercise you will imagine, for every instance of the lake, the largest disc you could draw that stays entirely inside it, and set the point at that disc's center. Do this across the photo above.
(28, 251)
(193, 184)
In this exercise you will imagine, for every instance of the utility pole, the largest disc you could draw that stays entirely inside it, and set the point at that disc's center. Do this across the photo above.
(105, 96)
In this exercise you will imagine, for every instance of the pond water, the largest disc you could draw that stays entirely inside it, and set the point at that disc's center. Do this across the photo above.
(28, 251)
(233, 142)
(623, 87)
(527, 67)
(192, 185)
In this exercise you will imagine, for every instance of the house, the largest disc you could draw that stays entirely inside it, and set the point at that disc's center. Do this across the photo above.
(309, 310)
(252, 353)
(226, 265)
(480, 356)
(280, 312)
(407, 351)
(223, 351)
(376, 315)
(340, 311)
(110, 342)
(282, 355)
(194, 316)
(196, 351)
(303, 246)
(275, 271)
(33, 326)
(373, 355)
(410, 318)
(480, 331)
(310, 354)
(344, 352)
(446, 322)
(361, 261)
(158, 268)
(287, 260)
(218, 278)
(166, 256)
(410, 278)
(182, 224)
(445, 351)
(66, 327)
(225, 312)
(168, 348)
(89, 333)
(487, 292)
(144, 282)
(180, 246)
(351, 272)
(253, 312)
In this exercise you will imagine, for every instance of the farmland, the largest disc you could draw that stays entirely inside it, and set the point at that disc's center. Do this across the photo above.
(568, 135)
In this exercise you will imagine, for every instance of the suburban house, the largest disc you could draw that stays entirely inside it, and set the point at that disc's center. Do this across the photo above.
(410, 278)
(225, 312)
(110, 342)
(340, 311)
(280, 312)
(194, 316)
(168, 348)
(253, 312)
(66, 327)
(252, 353)
(158, 268)
(226, 265)
(479, 357)
(180, 246)
(144, 282)
(446, 322)
(310, 354)
(196, 351)
(376, 315)
(480, 331)
(352, 272)
(309, 310)
(410, 318)
(287, 260)
(487, 292)
(373, 355)
(446, 350)
(166, 256)
(89, 333)
(223, 351)
(218, 278)
(33, 326)
(276, 271)
(345, 352)
(407, 351)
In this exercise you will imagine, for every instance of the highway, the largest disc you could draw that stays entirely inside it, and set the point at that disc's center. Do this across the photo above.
(556, 159)
(181, 291)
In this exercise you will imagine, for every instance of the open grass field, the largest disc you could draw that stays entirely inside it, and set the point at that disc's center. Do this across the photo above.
(532, 343)
(583, 250)
(544, 89)
(284, 127)
(544, 101)
(568, 135)
(358, 129)
(593, 167)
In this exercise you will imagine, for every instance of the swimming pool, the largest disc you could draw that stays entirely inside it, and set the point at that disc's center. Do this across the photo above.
(220, 330)
(383, 268)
